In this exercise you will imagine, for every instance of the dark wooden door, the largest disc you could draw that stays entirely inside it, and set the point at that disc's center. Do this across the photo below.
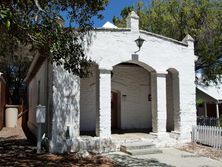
(211, 110)
(114, 110)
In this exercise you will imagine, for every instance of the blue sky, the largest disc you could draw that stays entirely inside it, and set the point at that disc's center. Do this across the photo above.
(113, 9)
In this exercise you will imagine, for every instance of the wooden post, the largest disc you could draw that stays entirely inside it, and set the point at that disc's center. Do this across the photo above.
(205, 108)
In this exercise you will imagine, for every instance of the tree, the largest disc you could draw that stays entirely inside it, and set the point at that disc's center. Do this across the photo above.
(200, 18)
(33, 26)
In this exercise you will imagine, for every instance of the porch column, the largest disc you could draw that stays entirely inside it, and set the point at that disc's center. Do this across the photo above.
(217, 110)
(103, 118)
(159, 122)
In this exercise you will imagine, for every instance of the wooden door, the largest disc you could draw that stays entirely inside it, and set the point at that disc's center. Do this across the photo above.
(114, 110)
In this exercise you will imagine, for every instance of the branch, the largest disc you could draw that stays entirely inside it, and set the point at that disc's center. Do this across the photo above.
(33, 38)
(38, 6)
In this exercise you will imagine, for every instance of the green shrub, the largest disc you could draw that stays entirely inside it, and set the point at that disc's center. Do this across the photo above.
(199, 102)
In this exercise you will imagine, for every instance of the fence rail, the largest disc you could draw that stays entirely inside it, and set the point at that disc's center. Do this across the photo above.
(208, 121)
(208, 135)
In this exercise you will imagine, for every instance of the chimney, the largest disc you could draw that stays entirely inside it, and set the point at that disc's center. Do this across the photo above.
(132, 21)
(189, 41)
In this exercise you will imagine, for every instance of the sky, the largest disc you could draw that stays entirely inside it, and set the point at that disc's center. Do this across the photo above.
(113, 9)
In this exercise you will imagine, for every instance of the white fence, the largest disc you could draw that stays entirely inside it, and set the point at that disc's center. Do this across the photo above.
(208, 135)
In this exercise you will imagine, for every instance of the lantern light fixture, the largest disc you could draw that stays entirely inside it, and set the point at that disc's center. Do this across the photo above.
(139, 43)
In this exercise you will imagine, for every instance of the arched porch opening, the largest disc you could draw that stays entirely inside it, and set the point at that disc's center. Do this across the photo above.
(173, 100)
(89, 103)
(131, 97)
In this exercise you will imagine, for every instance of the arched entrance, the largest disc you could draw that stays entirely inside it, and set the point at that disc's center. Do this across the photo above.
(89, 101)
(131, 97)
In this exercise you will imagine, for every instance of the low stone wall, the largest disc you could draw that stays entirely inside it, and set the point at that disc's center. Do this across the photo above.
(93, 145)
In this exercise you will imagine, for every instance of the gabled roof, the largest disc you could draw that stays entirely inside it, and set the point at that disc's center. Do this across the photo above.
(132, 24)
(143, 32)
(214, 91)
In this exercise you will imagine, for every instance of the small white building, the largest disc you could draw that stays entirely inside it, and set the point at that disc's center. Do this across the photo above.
(152, 90)
(211, 98)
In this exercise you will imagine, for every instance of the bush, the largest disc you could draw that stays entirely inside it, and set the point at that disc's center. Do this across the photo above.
(199, 102)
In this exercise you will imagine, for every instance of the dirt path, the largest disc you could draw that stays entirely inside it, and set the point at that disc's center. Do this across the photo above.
(202, 150)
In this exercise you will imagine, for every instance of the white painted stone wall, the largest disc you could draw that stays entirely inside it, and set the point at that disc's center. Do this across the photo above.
(110, 48)
(41, 77)
(133, 83)
(65, 117)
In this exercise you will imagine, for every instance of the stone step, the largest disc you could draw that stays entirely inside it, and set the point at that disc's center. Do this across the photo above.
(140, 148)
(143, 151)
(136, 146)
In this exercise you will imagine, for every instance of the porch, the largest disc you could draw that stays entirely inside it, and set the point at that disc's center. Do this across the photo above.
(132, 97)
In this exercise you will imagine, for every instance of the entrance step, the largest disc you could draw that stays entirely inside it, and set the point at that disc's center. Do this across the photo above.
(144, 151)
(136, 146)
(140, 149)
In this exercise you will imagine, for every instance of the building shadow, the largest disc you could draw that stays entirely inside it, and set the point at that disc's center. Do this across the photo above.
(22, 153)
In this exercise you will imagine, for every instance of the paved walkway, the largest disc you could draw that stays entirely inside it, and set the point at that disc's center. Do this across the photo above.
(121, 160)
(169, 157)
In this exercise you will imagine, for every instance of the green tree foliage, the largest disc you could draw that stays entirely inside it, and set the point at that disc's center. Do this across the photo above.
(33, 25)
(176, 18)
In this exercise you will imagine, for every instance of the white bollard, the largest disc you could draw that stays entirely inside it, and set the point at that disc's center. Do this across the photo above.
(40, 119)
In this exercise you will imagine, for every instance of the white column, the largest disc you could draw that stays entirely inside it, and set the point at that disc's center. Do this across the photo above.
(103, 124)
(176, 103)
(160, 123)
(217, 110)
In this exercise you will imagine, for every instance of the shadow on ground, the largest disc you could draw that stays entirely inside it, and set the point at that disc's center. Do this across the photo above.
(127, 161)
(22, 154)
